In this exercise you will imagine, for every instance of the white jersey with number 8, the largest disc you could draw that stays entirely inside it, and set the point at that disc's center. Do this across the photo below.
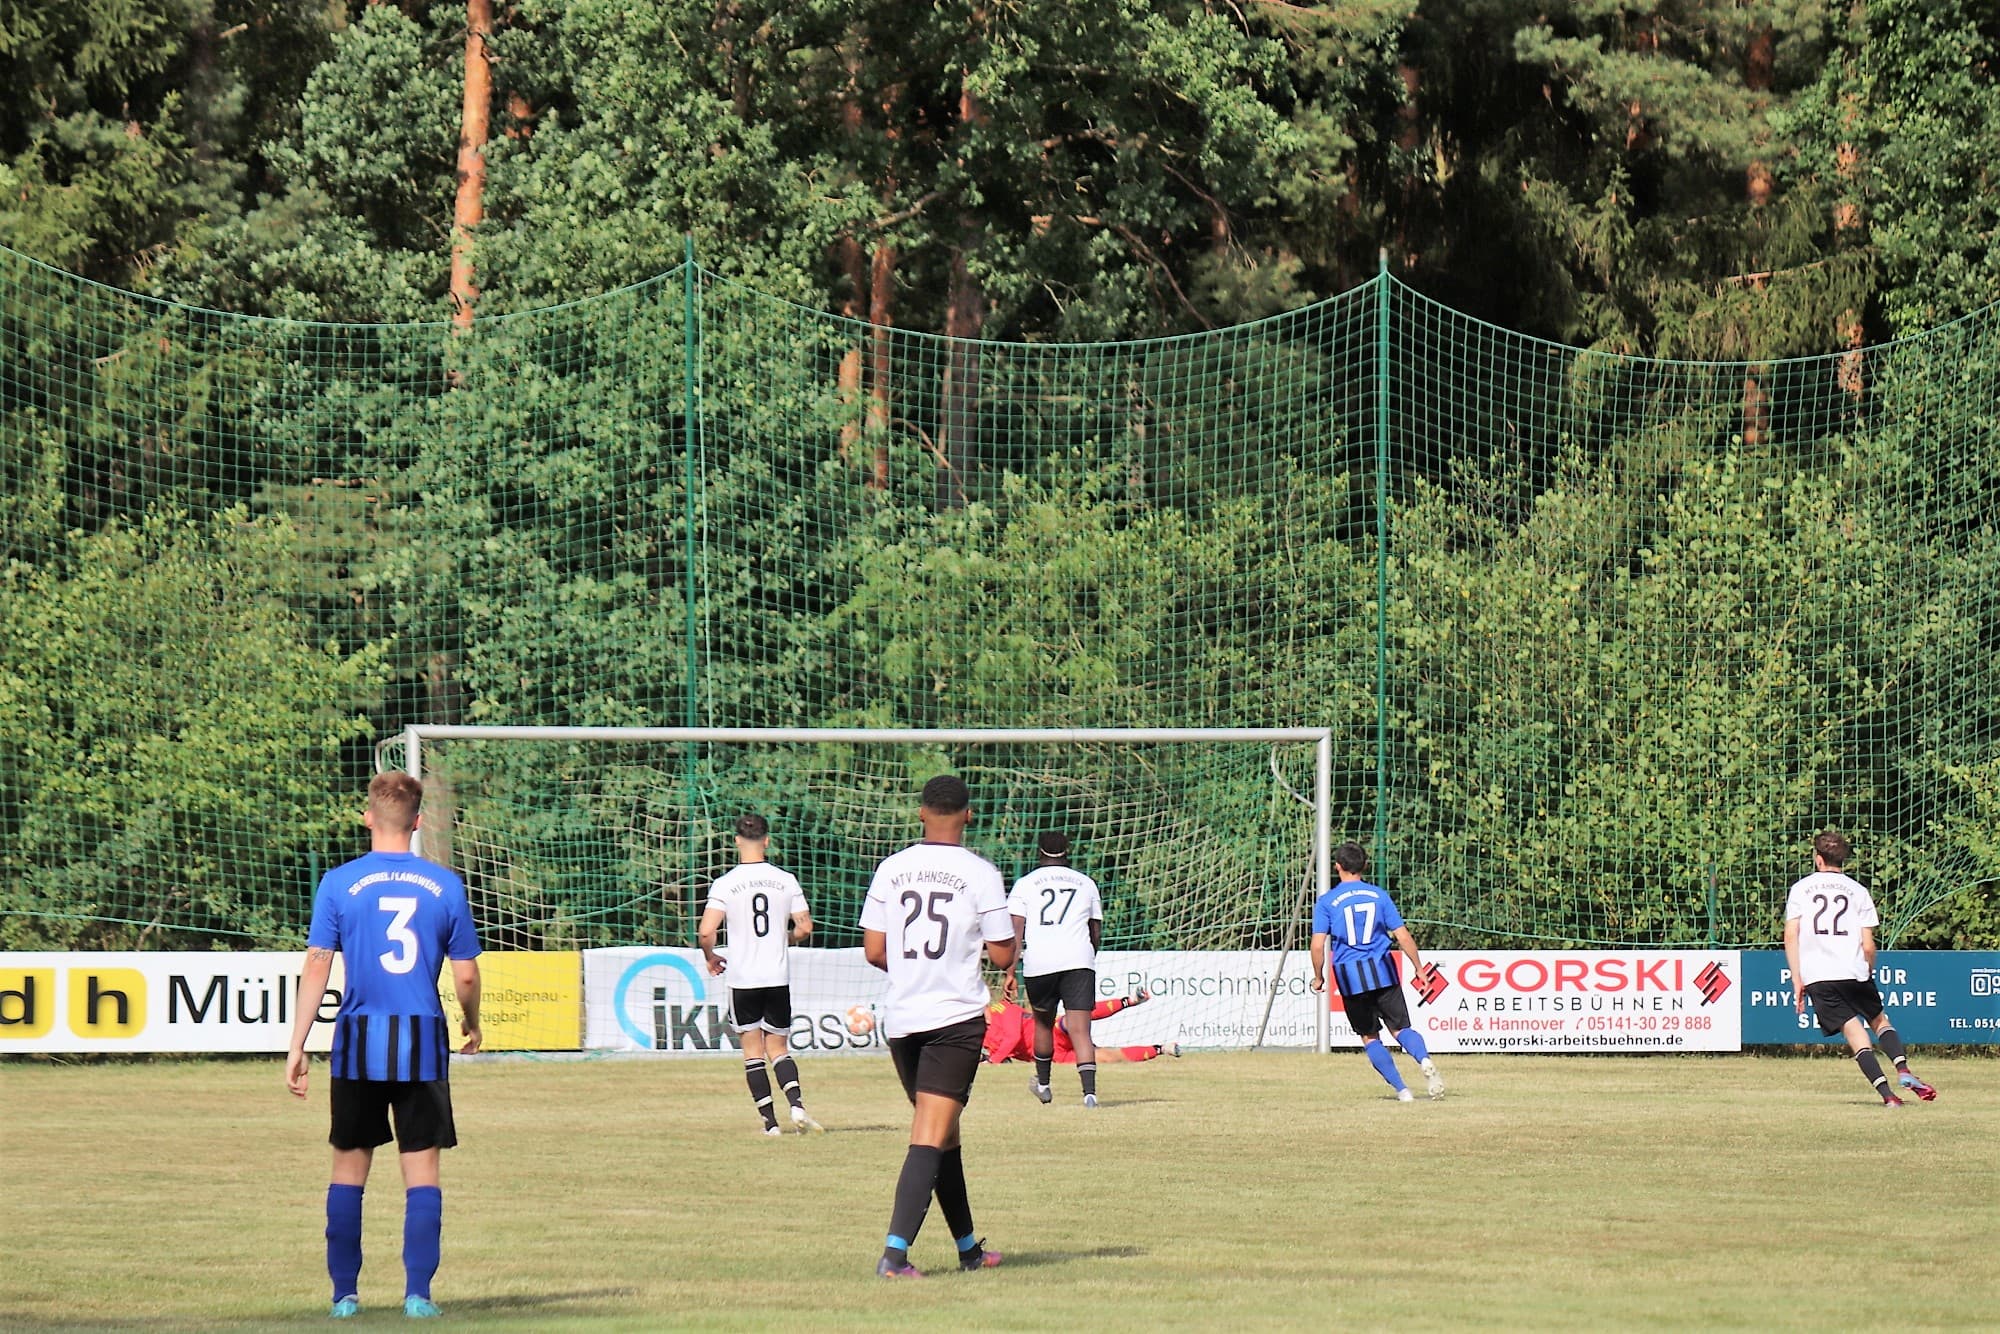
(938, 904)
(758, 901)
(1831, 910)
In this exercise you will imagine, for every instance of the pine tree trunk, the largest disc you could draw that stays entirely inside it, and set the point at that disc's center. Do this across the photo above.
(1849, 328)
(1758, 65)
(964, 319)
(882, 315)
(853, 261)
(475, 119)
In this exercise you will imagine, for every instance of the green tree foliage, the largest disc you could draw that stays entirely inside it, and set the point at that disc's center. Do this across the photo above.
(129, 127)
(1903, 125)
(168, 730)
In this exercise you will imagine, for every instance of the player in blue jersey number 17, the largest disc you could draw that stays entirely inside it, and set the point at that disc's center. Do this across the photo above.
(1361, 923)
(394, 918)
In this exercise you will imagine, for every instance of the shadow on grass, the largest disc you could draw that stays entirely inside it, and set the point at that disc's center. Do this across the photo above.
(1041, 1259)
(576, 1303)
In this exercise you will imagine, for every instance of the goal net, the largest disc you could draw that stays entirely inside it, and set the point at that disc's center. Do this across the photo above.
(1208, 844)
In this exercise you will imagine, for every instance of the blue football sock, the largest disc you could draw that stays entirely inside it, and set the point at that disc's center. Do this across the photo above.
(1384, 1063)
(423, 1221)
(343, 1239)
(1413, 1043)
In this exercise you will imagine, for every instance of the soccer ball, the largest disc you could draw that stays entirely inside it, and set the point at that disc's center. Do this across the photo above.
(860, 1020)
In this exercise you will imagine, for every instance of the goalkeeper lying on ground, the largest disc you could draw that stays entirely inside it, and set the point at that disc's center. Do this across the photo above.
(1010, 1035)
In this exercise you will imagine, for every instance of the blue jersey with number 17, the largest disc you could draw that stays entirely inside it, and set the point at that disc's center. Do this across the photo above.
(1357, 918)
(395, 918)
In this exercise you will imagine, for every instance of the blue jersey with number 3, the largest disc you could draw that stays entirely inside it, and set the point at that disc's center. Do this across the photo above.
(395, 918)
(1357, 918)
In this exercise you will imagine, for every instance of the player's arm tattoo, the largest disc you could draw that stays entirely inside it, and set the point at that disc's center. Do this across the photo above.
(316, 954)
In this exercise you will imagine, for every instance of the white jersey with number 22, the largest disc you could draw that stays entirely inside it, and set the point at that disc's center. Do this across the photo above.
(1830, 910)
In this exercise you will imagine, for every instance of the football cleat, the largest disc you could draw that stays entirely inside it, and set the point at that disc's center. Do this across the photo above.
(1917, 1086)
(345, 1309)
(772, 1132)
(1090, 1100)
(1043, 1093)
(978, 1258)
(883, 1269)
(1404, 1095)
(804, 1123)
(1891, 1100)
(1433, 1081)
(420, 1308)
(1174, 1049)
(1141, 996)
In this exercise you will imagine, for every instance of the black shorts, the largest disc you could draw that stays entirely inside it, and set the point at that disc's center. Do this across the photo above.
(361, 1110)
(1076, 988)
(1372, 1011)
(768, 1008)
(1834, 1003)
(941, 1061)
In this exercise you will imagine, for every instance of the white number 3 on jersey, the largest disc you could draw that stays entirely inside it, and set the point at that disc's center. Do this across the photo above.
(404, 957)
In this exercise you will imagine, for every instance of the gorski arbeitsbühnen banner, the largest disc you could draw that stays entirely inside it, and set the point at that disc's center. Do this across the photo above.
(1575, 1000)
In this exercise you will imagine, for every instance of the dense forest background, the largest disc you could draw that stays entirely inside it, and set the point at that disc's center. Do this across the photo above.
(1711, 179)
(1734, 183)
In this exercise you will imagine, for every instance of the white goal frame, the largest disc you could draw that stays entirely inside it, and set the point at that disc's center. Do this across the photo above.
(416, 734)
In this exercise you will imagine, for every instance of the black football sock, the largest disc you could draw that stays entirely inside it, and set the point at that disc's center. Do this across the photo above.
(1042, 1067)
(1087, 1070)
(787, 1075)
(1872, 1068)
(759, 1080)
(952, 1201)
(1891, 1044)
(913, 1201)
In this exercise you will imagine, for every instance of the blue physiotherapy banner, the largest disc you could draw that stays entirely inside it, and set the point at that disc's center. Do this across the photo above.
(1935, 996)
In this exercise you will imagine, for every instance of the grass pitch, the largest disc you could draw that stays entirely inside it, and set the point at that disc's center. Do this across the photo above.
(1255, 1191)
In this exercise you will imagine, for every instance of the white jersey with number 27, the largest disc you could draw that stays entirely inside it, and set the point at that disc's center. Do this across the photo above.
(1056, 906)
(938, 904)
(758, 901)
(1830, 910)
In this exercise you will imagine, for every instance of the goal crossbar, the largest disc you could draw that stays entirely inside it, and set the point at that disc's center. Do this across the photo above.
(1321, 739)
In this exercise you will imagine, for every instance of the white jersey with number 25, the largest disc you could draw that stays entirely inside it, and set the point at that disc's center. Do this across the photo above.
(938, 904)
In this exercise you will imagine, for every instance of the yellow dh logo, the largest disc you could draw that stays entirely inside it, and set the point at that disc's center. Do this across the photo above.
(107, 1002)
(27, 1002)
(95, 1002)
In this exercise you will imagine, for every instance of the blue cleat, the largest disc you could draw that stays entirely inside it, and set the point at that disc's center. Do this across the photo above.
(420, 1308)
(345, 1309)
(1917, 1086)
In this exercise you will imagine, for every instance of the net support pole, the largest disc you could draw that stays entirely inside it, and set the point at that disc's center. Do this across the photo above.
(1322, 861)
(413, 765)
(1382, 297)
(690, 407)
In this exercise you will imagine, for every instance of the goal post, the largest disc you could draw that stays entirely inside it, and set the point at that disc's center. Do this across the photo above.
(520, 810)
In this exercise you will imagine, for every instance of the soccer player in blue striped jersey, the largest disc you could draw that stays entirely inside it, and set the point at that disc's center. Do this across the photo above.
(394, 918)
(1361, 923)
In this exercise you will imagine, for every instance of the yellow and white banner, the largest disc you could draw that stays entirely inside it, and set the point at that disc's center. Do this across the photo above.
(243, 1002)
